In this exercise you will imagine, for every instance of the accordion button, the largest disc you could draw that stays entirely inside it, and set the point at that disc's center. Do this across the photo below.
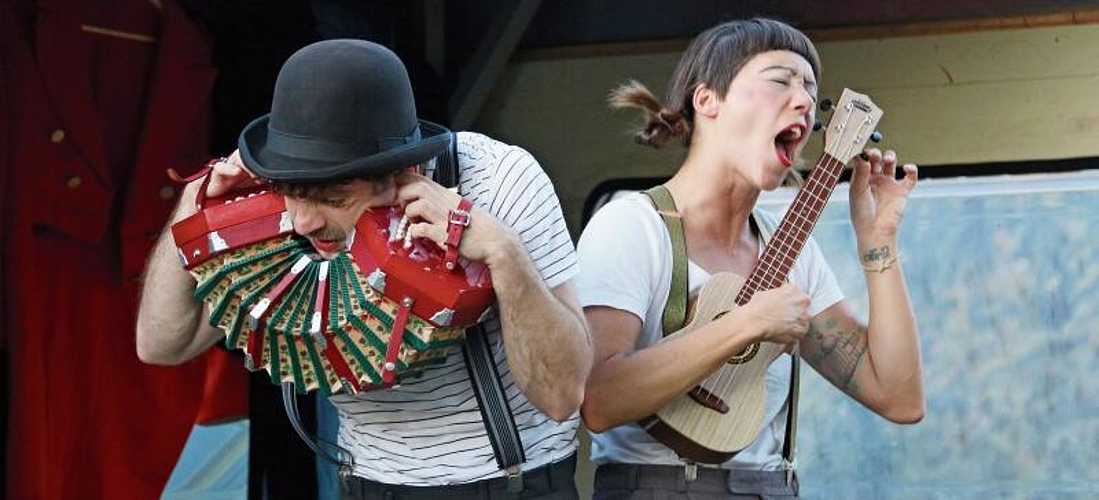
(74, 182)
(166, 192)
(57, 136)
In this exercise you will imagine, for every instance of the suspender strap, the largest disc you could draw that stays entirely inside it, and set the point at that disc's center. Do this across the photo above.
(765, 229)
(483, 376)
(675, 310)
(487, 386)
(446, 165)
(791, 416)
(493, 402)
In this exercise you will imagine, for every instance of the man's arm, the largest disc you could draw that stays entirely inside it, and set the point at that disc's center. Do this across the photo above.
(171, 323)
(545, 336)
(171, 326)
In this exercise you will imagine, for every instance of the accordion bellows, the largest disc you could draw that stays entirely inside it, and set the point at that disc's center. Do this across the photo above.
(360, 321)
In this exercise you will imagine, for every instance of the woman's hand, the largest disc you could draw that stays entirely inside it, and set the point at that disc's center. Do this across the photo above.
(782, 314)
(878, 199)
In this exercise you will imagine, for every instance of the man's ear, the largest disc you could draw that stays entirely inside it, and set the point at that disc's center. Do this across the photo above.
(705, 101)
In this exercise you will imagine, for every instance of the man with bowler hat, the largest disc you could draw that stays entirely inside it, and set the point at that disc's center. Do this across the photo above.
(340, 138)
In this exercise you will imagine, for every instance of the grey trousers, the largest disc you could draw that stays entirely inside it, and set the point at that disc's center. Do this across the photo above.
(668, 482)
(550, 482)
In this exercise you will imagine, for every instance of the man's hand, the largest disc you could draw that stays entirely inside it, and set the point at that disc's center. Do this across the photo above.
(225, 176)
(427, 205)
(229, 175)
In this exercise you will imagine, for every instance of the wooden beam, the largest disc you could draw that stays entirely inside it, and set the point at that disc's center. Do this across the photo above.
(957, 26)
(827, 35)
(477, 78)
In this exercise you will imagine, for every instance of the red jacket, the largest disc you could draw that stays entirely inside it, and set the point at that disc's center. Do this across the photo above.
(93, 108)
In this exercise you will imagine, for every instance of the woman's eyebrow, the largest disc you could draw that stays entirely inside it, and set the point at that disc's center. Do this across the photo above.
(780, 67)
(791, 72)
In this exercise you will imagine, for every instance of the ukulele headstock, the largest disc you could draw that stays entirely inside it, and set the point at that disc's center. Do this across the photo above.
(852, 124)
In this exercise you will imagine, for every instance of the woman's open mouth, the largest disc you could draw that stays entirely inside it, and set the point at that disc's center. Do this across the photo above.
(786, 143)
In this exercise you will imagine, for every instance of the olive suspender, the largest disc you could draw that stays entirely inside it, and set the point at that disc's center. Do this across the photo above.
(675, 309)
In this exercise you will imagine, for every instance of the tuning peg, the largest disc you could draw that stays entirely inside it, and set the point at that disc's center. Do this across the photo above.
(817, 124)
(826, 105)
(876, 137)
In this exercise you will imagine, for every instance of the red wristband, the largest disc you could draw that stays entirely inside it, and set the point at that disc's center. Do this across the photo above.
(457, 221)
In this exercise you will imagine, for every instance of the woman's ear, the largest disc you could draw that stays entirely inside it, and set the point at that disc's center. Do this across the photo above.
(705, 101)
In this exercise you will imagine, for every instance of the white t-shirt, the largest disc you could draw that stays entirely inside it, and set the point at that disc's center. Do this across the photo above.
(429, 431)
(626, 263)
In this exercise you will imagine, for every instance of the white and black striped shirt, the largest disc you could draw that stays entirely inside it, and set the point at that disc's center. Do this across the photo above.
(429, 432)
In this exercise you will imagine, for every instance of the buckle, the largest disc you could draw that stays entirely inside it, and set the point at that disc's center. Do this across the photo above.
(459, 217)
(690, 471)
(457, 221)
(515, 478)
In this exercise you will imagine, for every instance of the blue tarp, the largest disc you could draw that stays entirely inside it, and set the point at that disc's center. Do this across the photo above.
(1004, 278)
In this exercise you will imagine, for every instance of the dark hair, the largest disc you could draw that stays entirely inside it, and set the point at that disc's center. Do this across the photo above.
(319, 191)
(713, 59)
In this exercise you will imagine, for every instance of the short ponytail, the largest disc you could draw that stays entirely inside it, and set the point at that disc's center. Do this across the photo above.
(661, 124)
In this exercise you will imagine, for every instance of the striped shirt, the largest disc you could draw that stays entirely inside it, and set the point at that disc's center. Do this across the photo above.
(428, 431)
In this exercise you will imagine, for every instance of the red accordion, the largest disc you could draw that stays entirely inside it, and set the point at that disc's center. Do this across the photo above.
(357, 322)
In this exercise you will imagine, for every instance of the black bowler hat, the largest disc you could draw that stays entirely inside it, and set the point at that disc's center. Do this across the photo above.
(341, 109)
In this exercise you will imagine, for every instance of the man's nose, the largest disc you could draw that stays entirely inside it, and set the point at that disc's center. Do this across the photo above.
(306, 221)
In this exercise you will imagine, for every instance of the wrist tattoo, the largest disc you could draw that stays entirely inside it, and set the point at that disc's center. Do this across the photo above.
(879, 259)
(876, 255)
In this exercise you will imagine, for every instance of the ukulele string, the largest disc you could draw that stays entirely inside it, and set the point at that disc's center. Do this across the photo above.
(727, 375)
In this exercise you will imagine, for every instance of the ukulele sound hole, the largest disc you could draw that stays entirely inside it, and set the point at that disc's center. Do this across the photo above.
(746, 356)
(748, 353)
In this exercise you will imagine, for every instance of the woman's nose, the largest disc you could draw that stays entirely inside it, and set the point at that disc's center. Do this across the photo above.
(803, 99)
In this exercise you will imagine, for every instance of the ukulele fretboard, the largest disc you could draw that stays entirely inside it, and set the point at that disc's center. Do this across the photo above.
(790, 237)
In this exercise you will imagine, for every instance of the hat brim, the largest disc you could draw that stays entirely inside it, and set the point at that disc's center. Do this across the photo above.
(275, 166)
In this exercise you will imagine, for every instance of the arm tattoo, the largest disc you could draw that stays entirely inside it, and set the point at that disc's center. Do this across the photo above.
(836, 354)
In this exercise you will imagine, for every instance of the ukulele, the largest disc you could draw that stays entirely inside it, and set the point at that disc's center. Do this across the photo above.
(724, 414)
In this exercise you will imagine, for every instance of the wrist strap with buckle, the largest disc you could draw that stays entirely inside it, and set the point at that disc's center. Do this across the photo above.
(457, 222)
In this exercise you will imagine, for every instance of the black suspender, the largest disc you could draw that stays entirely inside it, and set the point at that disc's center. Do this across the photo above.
(483, 376)
(487, 386)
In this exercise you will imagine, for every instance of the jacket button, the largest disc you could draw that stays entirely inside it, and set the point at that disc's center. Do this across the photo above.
(57, 136)
(74, 182)
(166, 192)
